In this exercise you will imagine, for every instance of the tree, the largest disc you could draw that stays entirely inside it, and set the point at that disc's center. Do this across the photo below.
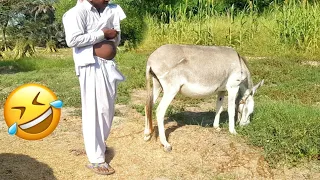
(61, 7)
(8, 11)
(27, 23)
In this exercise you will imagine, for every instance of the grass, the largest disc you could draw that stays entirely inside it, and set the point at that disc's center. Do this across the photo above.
(289, 133)
(132, 65)
(55, 72)
(280, 30)
(286, 120)
(288, 79)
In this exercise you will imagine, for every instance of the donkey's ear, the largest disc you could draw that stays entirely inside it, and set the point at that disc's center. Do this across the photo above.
(254, 89)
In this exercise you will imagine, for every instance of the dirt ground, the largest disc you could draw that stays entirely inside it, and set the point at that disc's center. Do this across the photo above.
(198, 153)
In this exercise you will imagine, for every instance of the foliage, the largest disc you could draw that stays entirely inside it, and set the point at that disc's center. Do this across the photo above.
(22, 48)
(61, 7)
(298, 25)
(283, 29)
(51, 46)
(288, 133)
(8, 10)
(133, 27)
(133, 68)
(29, 21)
(285, 123)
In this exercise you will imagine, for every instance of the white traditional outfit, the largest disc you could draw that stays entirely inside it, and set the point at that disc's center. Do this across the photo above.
(98, 77)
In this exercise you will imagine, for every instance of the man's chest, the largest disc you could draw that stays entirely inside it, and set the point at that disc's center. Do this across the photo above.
(95, 21)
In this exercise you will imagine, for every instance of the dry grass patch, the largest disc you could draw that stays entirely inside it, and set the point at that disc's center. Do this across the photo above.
(198, 153)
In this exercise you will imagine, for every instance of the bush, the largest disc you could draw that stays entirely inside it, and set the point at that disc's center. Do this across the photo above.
(133, 27)
(61, 7)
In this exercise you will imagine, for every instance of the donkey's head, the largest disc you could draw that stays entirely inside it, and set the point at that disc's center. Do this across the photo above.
(246, 105)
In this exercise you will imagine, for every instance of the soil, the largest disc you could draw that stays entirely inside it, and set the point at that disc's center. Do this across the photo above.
(198, 152)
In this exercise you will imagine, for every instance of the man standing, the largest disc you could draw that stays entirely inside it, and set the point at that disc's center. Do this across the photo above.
(92, 29)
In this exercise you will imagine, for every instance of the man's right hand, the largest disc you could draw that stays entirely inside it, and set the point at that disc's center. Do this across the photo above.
(109, 33)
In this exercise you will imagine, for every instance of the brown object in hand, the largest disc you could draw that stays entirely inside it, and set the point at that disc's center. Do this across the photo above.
(105, 49)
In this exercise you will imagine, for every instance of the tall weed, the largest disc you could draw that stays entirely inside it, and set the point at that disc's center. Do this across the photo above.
(291, 28)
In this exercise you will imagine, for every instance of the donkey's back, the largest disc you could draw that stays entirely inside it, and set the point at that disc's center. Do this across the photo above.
(198, 70)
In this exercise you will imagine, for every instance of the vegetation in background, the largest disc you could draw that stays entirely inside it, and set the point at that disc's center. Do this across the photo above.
(284, 34)
(286, 119)
(285, 123)
(291, 28)
(276, 27)
(26, 23)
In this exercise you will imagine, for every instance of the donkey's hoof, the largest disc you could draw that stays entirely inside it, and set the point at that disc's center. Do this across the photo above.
(147, 137)
(167, 148)
(218, 129)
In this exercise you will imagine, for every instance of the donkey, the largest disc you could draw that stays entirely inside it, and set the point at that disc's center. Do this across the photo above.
(196, 72)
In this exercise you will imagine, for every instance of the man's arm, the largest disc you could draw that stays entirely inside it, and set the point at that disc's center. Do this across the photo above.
(118, 16)
(76, 36)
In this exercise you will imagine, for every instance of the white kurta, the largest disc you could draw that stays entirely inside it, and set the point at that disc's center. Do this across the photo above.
(98, 77)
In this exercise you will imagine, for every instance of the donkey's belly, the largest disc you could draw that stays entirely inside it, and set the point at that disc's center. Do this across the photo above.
(198, 91)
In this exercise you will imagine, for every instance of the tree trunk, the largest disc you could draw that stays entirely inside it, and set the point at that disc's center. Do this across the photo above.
(4, 30)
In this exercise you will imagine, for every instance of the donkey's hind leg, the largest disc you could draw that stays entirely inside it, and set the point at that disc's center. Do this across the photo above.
(161, 110)
(156, 89)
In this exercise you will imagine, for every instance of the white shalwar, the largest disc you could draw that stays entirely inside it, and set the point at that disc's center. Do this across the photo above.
(98, 77)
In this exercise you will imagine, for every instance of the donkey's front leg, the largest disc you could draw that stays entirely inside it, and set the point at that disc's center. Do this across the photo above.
(232, 93)
(161, 110)
(219, 108)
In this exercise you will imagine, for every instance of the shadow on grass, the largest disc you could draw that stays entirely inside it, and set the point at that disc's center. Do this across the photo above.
(11, 67)
(19, 166)
(203, 119)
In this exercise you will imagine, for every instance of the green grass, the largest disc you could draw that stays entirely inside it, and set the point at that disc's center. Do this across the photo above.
(286, 122)
(280, 30)
(289, 133)
(132, 65)
(286, 119)
(288, 79)
(56, 71)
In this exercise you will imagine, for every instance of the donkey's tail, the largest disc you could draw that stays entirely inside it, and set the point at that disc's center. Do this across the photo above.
(149, 102)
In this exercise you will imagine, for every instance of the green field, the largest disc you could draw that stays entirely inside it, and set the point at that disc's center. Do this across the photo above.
(281, 44)
(286, 120)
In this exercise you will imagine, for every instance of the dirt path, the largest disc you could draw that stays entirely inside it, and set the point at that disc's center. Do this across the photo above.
(198, 153)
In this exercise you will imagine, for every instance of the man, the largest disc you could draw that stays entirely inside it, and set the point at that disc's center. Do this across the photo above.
(92, 29)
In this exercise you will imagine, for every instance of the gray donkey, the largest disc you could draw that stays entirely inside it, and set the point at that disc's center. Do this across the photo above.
(197, 72)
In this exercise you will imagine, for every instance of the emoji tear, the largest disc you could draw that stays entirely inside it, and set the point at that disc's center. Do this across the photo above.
(32, 111)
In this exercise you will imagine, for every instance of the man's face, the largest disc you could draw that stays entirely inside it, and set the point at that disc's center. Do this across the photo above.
(99, 4)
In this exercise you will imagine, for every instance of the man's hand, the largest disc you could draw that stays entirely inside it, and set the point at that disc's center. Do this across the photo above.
(109, 33)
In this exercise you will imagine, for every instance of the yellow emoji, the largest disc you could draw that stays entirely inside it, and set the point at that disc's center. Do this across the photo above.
(32, 111)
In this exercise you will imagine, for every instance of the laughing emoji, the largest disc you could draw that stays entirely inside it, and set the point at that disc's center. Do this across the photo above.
(32, 112)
